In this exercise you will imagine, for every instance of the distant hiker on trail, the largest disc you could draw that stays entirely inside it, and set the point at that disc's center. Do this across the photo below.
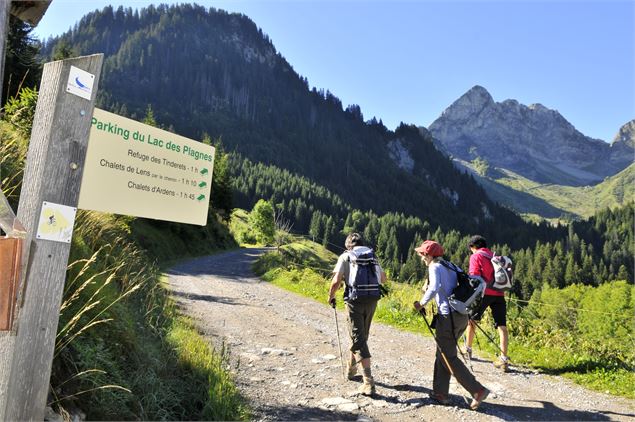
(481, 265)
(359, 268)
(449, 324)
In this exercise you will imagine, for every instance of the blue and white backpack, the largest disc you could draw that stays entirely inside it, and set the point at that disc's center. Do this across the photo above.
(363, 276)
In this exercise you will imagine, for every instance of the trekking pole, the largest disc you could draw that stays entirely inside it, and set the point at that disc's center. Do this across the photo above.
(490, 338)
(456, 342)
(339, 341)
(445, 359)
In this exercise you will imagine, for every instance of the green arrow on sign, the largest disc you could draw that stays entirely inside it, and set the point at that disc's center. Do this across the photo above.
(201, 197)
(204, 171)
(202, 184)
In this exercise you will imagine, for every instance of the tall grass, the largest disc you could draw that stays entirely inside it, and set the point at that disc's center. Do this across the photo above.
(13, 149)
(122, 350)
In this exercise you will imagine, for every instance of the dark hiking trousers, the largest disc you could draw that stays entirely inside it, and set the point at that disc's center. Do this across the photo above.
(447, 341)
(360, 315)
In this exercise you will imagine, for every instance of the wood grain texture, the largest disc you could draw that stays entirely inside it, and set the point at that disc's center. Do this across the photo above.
(5, 6)
(53, 173)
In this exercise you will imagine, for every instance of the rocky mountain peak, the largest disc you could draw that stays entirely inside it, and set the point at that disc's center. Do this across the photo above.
(533, 141)
(623, 145)
(626, 134)
(472, 102)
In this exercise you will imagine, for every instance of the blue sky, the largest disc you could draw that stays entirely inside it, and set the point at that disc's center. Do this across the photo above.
(409, 60)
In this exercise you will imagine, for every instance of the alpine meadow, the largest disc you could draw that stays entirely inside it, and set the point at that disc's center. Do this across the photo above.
(296, 171)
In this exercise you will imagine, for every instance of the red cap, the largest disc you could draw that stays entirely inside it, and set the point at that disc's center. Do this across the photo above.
(430, 247)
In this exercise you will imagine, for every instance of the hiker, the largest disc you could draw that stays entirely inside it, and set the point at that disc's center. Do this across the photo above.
(481, 265)
(449, 324)
(360, 300)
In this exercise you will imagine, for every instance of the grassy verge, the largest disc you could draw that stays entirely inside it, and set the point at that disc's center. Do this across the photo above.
(304, 268)
(222, 401)
(123, 351)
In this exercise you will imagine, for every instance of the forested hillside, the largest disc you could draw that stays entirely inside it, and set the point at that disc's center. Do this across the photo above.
(207, 71)
(324, 168)
(590, 252)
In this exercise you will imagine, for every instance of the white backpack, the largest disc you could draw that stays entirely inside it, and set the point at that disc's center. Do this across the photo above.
(503, 274)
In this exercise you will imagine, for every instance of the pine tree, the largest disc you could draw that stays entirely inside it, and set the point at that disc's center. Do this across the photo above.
(221, 193)
(329, 231)
(22, 68)
(315, 228)
(149, 117)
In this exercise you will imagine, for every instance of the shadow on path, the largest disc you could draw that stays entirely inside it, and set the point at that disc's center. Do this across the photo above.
(548, 410)
(299, 413)
(234, 264)
(206, 298)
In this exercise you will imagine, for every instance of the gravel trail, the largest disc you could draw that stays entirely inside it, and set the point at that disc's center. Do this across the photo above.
(286, 360)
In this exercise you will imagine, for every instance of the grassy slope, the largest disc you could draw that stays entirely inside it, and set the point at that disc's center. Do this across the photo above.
(553, 201)
(303, 267)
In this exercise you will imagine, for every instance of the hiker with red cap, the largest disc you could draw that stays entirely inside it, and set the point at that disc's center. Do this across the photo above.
(450, 325)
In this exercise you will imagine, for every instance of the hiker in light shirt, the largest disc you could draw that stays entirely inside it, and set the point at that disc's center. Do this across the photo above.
(449, 326)
(360, 302)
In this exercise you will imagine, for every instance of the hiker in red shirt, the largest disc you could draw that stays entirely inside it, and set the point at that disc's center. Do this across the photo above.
(481, 265)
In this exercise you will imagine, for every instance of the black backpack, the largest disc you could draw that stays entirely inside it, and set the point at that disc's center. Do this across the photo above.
(468, 292)
(363, 276)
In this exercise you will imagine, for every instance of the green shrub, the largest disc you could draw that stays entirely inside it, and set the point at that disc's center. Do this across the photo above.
(21, 110)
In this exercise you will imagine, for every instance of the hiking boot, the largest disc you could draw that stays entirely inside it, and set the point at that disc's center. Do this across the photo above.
(368, 387)
(351, 370)
(478, 398)
(502, 364)
(440, 398)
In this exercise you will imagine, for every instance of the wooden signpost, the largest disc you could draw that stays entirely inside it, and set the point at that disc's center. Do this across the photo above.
(4, 25)
(52, 178)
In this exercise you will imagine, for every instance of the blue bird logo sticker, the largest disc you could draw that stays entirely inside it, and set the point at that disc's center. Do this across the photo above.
(81, 85)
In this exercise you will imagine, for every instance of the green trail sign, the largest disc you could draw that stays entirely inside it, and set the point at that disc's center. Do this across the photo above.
(136, 169)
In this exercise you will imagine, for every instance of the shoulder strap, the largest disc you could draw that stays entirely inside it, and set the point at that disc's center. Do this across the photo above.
(451, 266)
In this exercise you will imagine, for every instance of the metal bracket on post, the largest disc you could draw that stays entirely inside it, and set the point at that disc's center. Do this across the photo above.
(10, 254)
(10, 263)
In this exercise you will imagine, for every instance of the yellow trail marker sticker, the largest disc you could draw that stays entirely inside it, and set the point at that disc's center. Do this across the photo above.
(56, 222)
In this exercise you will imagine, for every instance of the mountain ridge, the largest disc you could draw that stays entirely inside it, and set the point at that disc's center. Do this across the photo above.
(240, 88)
(534, 141)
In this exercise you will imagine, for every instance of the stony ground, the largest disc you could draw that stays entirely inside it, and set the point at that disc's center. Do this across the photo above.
(286, 361)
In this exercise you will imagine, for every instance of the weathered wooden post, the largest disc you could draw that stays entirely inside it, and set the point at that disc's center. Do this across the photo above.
(53, 174)
(6, 340)
(4, 28)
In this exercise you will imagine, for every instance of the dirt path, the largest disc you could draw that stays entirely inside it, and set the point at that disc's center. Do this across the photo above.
(286, 358)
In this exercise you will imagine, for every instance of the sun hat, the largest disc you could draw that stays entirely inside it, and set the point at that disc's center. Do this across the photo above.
(430, 247)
